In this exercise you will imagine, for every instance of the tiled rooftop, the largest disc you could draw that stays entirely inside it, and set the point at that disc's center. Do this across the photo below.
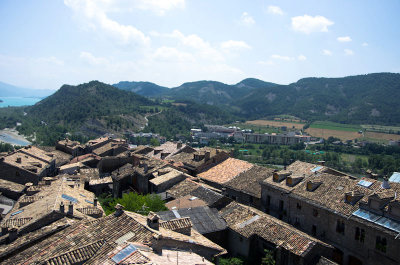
(248, 222)
(248, 181)
(226, 171)
(175, 224)
(188, 201)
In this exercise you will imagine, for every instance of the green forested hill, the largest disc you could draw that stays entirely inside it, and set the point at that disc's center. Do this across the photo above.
(74, 104)
(359, 99)
(146, 89)
(209, 92)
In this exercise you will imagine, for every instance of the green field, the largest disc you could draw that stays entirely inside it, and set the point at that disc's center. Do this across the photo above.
(335, 126)
(381, 128)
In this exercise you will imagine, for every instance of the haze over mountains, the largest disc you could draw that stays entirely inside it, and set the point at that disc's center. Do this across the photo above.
(7, 90)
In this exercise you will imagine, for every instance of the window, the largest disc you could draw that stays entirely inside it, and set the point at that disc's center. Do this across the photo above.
(314, 230)
(280, 205)
(315, 213)
(298, 206)
(268, 202)
(297, 221)
(17, 173)
(381, 244)
(340, 227)
(359, 235)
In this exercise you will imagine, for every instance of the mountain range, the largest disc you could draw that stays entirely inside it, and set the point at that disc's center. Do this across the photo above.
(370, 98)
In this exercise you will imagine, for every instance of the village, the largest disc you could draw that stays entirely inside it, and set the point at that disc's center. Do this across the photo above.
(218, 207)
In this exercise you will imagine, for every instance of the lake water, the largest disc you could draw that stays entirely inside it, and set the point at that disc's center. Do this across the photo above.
(6, 138)
(18, 101)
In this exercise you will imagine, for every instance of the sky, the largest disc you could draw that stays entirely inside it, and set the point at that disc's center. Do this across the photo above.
(47, 43)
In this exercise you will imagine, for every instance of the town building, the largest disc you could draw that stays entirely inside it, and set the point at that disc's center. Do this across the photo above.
(120, 238)
(356, 216)
(73, 148)
(28, 164)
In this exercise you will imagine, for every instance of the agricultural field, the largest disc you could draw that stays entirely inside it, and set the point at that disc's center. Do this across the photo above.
(335, 126)
(382, 136)
(326, 133)
(381, 128)
(289, 125)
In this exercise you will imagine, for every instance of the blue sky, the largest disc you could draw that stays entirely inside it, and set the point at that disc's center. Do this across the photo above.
(47, 43)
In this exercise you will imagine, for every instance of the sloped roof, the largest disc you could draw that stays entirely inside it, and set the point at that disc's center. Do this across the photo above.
(204, 219)
(225, 171)
(248, 222)
(248, 181)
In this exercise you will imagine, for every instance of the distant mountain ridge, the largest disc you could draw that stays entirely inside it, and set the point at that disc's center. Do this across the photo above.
(370, 98)
(146, 89)
(7, 90)
(205, 92)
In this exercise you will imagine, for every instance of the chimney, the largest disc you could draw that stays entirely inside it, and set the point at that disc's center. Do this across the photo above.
(119, 209)
(145, 168)
(62, 208)
(179, 145)
(19, 159)
(95, 201)
(321, 163)
(4, 230)
(153, 221)
(47, 180)
(13, 234)
(70, 208)
(207, 156)
(385, 183)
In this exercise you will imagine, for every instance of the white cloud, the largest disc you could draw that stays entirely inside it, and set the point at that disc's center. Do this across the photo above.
(233, 45)
(348, 52)
(283, 58)
(364, 44)
(51, 60)
(172, 54)
(90, 58)
(344, 39)
(160, 6)
(95, 13)
(247, 19)
(269, 62)
(326, 52)
(201, 47)
(301, 57)
(308, 24)
(275, 10)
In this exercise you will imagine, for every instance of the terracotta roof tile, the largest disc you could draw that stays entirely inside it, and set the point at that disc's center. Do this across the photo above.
(225, 171)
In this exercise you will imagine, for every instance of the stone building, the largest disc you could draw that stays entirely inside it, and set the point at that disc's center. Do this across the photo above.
(252, 231)
(28, 164)
(120, 238)
(48, 202)
(73, 148)
(245, 187)
(358, 217)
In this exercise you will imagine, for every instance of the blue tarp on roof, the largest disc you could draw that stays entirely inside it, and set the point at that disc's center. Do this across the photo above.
(378, 219)
(395, 177)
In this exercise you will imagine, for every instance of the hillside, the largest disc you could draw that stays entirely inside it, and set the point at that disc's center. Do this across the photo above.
(146, 89)
(210, 92)
(7, 90)
(370, 99)
(86, 110)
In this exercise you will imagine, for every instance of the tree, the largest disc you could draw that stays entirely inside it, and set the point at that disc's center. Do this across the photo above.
(269, 258)
(154, 142)
(231, 261)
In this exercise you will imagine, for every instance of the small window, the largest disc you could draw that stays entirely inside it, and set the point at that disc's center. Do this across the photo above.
(298, 206)
(280, 205)
(340, 227)
(359, 235)
(17, 173)
(268, 202)
(297, 221)
(314, 230)
(381, 244)
(315, 213)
